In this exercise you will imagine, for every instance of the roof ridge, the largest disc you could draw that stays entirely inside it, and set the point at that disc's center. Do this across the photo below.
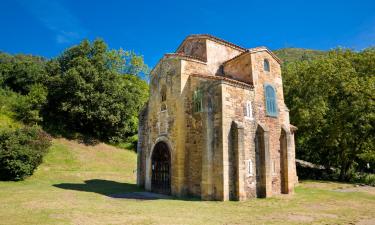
(252, 50)
(211, 37)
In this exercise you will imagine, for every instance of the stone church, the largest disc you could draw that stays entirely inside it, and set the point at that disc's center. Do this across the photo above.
(216, 125)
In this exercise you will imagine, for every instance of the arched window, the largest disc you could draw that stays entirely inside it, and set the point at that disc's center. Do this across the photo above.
(271, 106)
(197, 100)
(266, 65)
(163, 94)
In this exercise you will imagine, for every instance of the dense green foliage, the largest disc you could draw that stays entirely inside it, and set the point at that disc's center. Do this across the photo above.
(331, 101)
(21, 151)
(88, 93)
(21, 72)
(298, 54)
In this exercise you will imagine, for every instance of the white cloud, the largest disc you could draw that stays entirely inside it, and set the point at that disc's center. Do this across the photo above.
(57, 18)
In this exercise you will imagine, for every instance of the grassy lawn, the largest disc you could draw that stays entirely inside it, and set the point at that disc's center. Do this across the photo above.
(75, 183)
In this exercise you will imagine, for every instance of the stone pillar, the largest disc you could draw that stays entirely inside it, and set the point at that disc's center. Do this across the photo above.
(148, 173)
(292, 171)
(238, 145)
(267, 164)
(207, 156)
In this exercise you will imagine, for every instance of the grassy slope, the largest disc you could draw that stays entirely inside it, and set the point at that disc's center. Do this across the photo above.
(298, 54)
(73, 186)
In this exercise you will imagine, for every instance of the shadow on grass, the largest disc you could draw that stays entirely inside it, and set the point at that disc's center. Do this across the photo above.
(116, 189)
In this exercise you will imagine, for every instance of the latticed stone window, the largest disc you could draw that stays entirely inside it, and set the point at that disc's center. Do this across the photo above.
(197, 100)
(249, 167)
(271, 105)
(249, 110)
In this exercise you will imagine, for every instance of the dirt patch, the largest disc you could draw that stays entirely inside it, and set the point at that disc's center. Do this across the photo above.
(300, 218)
(370, 221)
(325, 185)
(366, 189)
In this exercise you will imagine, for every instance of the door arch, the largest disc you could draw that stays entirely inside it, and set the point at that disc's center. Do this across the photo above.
(161, 169)
(260, 158)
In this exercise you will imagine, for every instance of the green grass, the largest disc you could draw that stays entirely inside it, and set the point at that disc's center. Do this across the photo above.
(75, 182)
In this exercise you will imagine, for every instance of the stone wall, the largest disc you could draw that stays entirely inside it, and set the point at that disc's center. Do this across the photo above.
(239, 68)
(234, 105)
(274, 124)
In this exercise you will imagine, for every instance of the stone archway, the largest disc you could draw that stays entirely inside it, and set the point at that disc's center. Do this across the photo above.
(161, 169)
(260, 158)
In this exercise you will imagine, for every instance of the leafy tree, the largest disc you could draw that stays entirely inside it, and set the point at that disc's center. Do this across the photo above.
(20, 72)
(28, 107)
(331, 100)
(89, 94)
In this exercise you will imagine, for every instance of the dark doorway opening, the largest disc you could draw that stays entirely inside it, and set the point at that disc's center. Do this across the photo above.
(260, 163)
(161, 167)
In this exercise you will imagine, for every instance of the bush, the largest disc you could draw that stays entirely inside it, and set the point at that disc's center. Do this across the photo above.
(364, 178)
(22, 151)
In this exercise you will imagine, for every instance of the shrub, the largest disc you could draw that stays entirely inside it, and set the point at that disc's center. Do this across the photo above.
(22, 151)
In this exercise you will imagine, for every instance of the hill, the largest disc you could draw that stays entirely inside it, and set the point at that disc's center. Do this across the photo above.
(80, 184)
(298, 54)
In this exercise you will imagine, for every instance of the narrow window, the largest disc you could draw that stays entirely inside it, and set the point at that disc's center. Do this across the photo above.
(273, 167)
(271, 106)
(249, 110)
(163, 94)
(250, 167)
(197, 101)
(266, 65)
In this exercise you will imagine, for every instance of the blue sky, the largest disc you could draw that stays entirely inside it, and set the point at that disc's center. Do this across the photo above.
(152, 28)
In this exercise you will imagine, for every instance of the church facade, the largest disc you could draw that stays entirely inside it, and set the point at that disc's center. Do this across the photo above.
(216, 125)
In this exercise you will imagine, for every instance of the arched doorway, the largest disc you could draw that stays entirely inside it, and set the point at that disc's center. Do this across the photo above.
(161, 169)
(284, 162)
(260, 163)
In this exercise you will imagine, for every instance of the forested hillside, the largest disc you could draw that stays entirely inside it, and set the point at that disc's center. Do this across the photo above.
(89, 92)
(298, 54)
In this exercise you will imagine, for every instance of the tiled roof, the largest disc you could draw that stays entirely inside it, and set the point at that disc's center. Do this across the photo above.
(213, 38)
(181, 56)
(223, 79)
(253, 50)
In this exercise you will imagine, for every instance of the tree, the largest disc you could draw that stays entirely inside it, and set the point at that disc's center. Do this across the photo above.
(331, 100)
(20, 72)
(89, 94)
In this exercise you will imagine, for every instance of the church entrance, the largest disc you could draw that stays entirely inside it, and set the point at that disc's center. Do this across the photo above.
(161, 167)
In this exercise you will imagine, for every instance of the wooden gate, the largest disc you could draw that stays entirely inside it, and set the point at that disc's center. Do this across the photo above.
(161, 167)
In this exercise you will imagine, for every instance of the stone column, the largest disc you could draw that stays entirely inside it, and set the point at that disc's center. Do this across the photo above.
(238, 145)
(207, 156)
(267, 164)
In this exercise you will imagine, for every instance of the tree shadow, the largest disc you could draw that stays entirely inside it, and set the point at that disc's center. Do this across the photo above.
(115, 189)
